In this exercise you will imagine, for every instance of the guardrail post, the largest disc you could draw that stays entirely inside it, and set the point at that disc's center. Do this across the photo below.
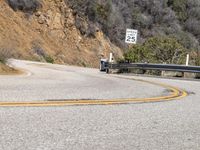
(111, 58)
(187, 59)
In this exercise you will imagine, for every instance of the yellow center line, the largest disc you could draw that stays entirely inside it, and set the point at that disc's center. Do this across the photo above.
(175, 93)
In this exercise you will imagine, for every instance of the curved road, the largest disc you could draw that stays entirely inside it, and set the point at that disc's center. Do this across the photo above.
(47, 82)
(163, 125)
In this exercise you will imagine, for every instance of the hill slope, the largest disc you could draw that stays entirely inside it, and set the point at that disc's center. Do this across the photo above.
(176, 18)
(48, 33)
(80, 32)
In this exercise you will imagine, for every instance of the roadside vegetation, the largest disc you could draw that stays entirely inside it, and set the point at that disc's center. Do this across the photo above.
(27, 6)
(41, 53)
(178, 18)
(167, 28)
(4, 55)
(157, 50)
(163, 50)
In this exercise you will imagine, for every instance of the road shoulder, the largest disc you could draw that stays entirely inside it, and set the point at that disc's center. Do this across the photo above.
(6, 70)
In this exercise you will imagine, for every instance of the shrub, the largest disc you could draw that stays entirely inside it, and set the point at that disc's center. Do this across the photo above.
(81, 25)
(157, 50)
(27, 6)
(195, 57)
(180, 7)
(5, 54)
(192, 25)
(193, 3)
(165, 50)
(43, 56)
(49, 59)
(102, 11)
(197, 60)
(142, 20)
(137, 53)
(195, 12)
(37, 49)
(187, 40)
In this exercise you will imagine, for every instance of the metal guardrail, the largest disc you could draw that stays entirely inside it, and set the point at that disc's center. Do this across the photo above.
(161, 67)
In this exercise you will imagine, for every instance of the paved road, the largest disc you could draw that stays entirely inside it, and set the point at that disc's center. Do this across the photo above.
(163, 125)
(56, 82)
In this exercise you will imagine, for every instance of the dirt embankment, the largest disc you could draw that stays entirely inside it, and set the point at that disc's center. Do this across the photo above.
(50, 34)
(4, 70)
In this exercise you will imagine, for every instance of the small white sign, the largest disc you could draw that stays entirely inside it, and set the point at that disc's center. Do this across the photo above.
(131, 36)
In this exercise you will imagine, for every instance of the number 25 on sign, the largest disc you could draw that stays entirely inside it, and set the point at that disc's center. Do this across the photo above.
(131, 36)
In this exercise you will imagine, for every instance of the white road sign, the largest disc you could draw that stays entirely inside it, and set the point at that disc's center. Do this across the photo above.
(131, 36)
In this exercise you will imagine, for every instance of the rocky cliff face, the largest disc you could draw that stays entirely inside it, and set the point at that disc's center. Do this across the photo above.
(49, 33)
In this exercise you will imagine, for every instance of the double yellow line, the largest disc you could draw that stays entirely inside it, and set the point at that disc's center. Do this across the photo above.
(175, 93)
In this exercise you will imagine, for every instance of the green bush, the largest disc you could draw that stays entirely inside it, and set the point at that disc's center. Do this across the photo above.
(197, 61)
(195, 57)
(157, 50)
(102, 11)
(49, 59)
(137, 53)
(180, 7)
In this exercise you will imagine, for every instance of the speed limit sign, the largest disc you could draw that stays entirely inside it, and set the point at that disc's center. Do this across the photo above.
(131, 36)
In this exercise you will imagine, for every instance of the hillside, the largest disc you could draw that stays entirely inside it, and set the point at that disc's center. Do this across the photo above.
(175, 18)
(46, 31)
(80, 32)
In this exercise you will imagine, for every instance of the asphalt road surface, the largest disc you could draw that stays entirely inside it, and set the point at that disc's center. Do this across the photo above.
(173, 125)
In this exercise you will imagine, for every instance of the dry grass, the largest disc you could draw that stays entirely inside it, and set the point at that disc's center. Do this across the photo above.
(50, 35)
(6, 70)
(5, 54)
